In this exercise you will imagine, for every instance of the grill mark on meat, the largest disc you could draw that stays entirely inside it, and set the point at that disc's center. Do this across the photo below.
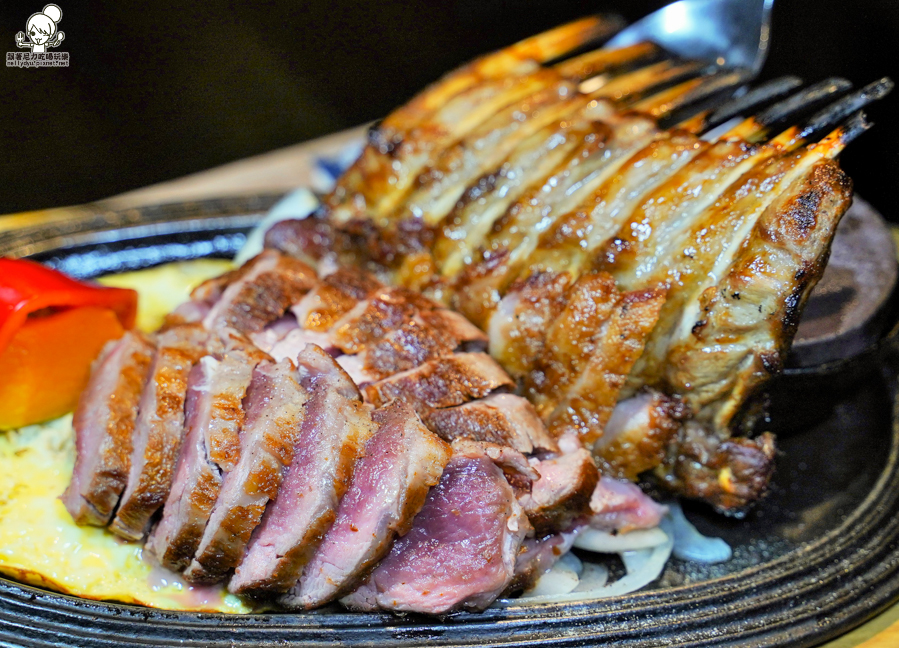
(505, 419)
(427, 336)
(369, 321)
(463, 230)
(104, 425)
(213, 417)
(570, 339)
(461, 550)
(333, 297)
(158, 429)
(445, 382)
(389, 486)
(519, 323)
(262, 294)
(274, 416)
(572, 242)
(334, 431)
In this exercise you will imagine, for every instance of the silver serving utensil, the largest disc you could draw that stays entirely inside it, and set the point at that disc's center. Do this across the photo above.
(727, 33)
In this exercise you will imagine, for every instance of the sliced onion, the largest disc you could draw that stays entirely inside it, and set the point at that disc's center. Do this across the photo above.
(592, 578)
(643, 566)
(604, 542)
(690, 544)
(560, 579)
(296, 204)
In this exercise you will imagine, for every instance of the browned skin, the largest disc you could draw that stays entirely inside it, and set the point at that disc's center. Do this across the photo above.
(587, 405)
(102, 494)
(267, 297)
(729, 474)
(750, 317)
(441, 383)
(570, 340)
(336, 294)
(518, 340)
(562, 494)
(147, 491)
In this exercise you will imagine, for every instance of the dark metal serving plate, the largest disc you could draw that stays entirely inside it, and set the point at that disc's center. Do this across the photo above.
(817, 557)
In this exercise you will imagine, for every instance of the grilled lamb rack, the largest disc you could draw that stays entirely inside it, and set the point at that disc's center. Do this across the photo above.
(603, 254)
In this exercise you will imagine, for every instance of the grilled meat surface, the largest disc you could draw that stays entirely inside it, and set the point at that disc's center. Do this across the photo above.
(633, 285)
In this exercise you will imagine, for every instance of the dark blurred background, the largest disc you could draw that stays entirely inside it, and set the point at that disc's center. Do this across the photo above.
(156, 91)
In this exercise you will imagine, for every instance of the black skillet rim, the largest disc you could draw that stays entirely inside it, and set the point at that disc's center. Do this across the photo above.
(805, 597)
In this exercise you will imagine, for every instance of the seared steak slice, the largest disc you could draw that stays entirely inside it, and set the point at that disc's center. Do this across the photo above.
(427, 336)
(386, 310)
(335, 429)
(562, 494)
(274, 417)
(104, 425)
(159, 429)
(213, 417)
(461, 550)
(401, 462)
(334, 296)
(621, 506)
(262, 294)
(447, 381)
(499, 418)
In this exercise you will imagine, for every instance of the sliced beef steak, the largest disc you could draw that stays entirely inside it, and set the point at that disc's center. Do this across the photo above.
(621, 506)
(402, 461)
(447, 381)
(333, 297)
(261, 294)
(499, 418)
(385, 310)
(274, 417)
(213, 418)
(461, 550)
(427, 336)
(335, 428)
(104, 425)
(159, 429)
(562, 494)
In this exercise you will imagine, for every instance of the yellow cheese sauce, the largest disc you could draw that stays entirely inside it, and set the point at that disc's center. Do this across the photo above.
(39, 542)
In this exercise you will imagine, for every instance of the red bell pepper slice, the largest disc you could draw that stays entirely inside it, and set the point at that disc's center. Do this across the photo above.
(27, 287)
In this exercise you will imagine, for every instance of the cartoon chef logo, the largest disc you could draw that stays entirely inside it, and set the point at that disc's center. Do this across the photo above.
(42, 31)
